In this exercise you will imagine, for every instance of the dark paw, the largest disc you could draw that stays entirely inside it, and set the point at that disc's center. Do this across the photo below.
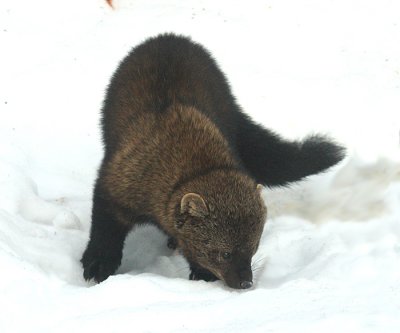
(202, 274)
(172, 243)
(99, 266)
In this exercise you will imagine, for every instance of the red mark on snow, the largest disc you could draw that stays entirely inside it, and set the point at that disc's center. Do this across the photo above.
(110, 3)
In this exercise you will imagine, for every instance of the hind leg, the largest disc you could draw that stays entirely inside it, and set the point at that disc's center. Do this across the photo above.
(103, 254)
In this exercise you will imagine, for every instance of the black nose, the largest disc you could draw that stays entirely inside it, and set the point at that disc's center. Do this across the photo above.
(246, 284)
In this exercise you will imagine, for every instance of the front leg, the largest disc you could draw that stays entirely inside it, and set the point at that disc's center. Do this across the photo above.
(103, 254)
(200, 273)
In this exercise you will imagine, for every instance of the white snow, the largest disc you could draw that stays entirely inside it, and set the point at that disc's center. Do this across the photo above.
(329, 259)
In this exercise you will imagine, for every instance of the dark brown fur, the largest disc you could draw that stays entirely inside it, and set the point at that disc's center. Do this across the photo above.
(178, 153)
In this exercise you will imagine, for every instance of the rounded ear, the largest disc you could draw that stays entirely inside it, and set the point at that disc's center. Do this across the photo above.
(194, 205)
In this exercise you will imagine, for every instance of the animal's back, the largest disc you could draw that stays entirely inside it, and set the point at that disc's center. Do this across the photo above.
(163, 71)
(172, 70)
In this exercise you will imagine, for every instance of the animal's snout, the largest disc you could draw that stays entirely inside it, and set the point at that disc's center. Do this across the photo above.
(239, 276)
(245, 278)
(246, 284)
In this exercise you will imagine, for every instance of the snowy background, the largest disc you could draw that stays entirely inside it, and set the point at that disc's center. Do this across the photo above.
(330, 255)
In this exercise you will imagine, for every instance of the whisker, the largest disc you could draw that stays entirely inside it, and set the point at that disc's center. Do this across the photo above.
(259, 265)
(257, 268)
(259, 260)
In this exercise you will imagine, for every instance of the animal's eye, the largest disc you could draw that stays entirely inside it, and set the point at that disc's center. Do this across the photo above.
(226, 255)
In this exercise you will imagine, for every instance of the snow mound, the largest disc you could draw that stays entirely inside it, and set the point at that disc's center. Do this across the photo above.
(19, 196)
(358, 191)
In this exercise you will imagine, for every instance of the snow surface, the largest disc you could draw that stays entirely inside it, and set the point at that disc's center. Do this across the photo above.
(329, 259)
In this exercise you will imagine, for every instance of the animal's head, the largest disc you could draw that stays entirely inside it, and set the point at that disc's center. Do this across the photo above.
(220, 230)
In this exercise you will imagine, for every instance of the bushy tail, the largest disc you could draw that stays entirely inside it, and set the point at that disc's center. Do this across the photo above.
(273, 161)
